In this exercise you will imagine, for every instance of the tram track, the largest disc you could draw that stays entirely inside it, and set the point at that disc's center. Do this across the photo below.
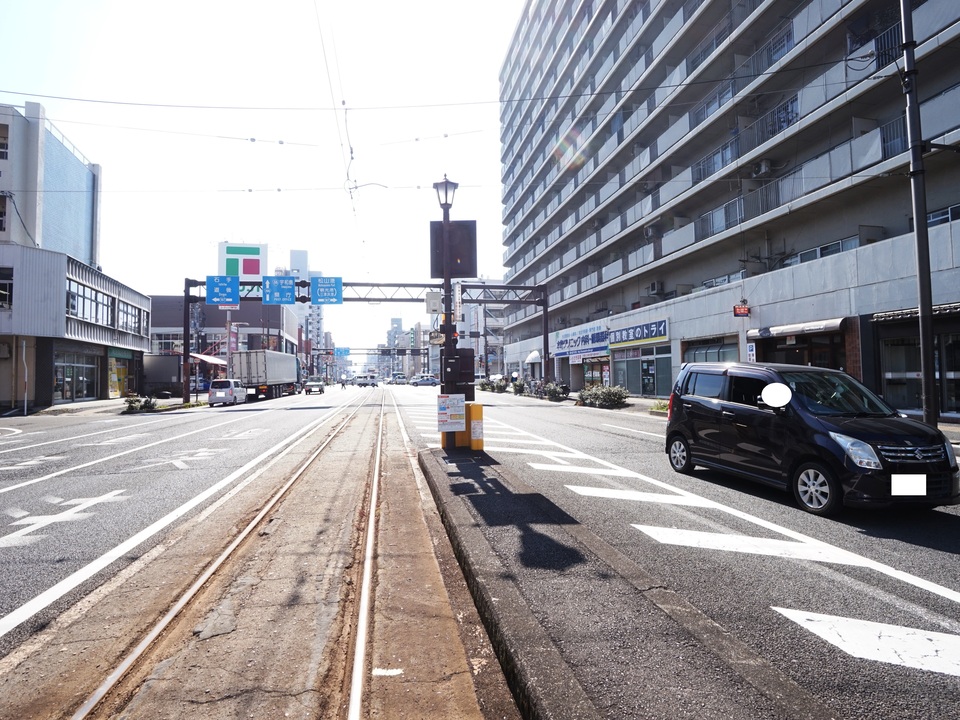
(352, 452)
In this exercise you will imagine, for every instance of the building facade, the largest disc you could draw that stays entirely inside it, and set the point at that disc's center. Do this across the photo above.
(67, 331)
(709, 179)
(214, 333)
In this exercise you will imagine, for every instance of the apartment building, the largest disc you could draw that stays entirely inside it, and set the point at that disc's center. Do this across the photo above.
(68, 332)
(729, 179)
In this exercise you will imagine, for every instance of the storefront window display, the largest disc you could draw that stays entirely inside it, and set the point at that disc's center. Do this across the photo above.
(76, 376)
(644, 370)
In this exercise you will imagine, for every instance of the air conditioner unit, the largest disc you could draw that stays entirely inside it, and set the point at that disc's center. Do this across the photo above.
(601, 307)
(655, 288)
(762, 168)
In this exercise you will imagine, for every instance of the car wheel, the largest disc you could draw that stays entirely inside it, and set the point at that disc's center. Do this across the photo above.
(816, 489)
(234, 402)
(211, 404)
(680, 459)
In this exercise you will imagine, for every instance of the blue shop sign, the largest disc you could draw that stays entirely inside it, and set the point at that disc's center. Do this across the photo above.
(578, 341)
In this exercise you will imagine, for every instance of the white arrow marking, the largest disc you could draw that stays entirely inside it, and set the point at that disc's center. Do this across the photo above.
(753, 545)
(920, 649)
(34, 461)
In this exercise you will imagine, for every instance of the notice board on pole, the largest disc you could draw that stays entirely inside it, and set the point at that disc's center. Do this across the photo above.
(451, 413)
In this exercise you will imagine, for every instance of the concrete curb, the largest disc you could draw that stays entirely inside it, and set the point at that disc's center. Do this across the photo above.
(547, 687)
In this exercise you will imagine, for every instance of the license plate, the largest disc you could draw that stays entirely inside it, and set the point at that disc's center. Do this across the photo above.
(908, 484)
(221, 394)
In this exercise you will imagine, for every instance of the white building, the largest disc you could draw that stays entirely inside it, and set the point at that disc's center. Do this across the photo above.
(67, 331)
(708, 179)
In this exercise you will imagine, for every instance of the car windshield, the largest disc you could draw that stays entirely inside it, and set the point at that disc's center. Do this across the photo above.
(834, 394)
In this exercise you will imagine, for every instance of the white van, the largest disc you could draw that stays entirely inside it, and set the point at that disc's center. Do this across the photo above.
(365, 381)
(227, 392)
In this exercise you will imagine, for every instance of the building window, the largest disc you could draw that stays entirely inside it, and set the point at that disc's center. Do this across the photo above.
(6, 288)
(85, 303)
(129, 318)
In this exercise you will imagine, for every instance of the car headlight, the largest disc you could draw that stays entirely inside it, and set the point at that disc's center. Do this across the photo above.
(859, 452)
(951, 455)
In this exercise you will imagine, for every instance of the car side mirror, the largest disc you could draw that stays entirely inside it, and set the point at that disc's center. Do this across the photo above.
(776, 395)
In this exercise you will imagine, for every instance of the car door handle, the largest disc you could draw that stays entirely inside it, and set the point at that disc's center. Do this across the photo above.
(728, 414)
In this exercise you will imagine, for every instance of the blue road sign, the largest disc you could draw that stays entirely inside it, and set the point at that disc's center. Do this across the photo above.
(341, 352)
(279, 290)
(223, 289)
(326, 291)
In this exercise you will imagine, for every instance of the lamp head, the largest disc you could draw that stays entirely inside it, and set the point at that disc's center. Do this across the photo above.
(445, 191)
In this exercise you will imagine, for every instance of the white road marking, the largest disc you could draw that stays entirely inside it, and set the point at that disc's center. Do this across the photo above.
(33, 461)
(895, 644)
(382, 672)
(23, 613)
(115, 441)
(638, 432)
(611, 472)
(65, 471)
(70, 439)
(36, 522)
(636, 496)
(753, 545)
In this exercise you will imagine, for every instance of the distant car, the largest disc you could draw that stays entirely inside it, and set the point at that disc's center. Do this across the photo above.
(430, 380)
(226, 392)
(200, 385)
(400, 380)
(313, 385)
(365, 381)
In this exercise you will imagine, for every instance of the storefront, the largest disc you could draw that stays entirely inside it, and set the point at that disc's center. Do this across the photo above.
(121, 373)
(821, 343)
(900, 376)
(76, 374)
(581, 355)
(642, 359)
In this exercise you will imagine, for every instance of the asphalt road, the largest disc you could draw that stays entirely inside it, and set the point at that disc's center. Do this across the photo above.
(657, 595)
(705, 596)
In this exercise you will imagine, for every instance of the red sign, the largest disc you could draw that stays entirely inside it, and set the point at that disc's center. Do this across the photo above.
(741, 311)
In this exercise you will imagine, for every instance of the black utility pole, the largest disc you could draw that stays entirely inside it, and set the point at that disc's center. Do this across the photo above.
(931, 411)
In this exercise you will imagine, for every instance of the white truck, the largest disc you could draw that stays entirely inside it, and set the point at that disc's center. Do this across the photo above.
(266, 373)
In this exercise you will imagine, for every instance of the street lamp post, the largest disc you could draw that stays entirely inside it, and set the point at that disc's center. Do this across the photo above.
(445, 192)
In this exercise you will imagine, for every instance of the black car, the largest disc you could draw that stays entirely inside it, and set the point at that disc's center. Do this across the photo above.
(813, 431)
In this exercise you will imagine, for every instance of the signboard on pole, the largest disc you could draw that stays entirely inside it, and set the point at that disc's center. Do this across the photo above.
(279, 290)
(451, 413)
(223, 290)
(326, 291)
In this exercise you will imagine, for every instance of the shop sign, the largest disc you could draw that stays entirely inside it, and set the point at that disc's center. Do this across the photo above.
(741, 311)
(655, 331)
(582, 340)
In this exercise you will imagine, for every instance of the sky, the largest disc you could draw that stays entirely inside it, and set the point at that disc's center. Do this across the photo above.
(314, 125)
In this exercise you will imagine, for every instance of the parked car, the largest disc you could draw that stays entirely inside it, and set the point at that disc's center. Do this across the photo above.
(815, 432)
(418, 380)
(229, 391)
(313, 384)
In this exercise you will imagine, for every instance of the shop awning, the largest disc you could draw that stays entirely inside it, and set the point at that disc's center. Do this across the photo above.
(209, 358)
(532, 358)
(808, 328)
